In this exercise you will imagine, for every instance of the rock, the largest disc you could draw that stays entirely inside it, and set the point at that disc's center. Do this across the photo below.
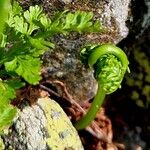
(112, 13)
(139, 19)
(64, 62)
(43, 126)
(66, 1)
(146, 18)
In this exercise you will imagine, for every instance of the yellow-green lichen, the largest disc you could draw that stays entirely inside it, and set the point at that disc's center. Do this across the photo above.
(61, 133)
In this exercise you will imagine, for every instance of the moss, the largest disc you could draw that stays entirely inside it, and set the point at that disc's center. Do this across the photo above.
(140, 78)
(135, 95)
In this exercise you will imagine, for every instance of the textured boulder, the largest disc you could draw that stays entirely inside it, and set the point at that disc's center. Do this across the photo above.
(43, 126)
(139, 19)
(64, 62)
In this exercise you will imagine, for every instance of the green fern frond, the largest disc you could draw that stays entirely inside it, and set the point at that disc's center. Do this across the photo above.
(24, 40)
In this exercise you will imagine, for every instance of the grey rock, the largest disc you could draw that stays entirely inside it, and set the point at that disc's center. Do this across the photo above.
(146, 18)
(34, 129)
(66, 1)
(64, 63)
(139, 20)
(115, 12)
(25, 129)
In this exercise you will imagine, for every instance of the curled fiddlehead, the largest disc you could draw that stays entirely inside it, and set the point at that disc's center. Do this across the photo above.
(110, 64)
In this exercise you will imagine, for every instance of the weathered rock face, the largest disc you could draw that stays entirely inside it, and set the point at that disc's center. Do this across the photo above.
(138, 45)
(140, 19)
(112, 13)
(64, 62)
(43, 126)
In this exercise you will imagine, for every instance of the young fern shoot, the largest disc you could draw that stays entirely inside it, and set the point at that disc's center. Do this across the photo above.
(110, 64)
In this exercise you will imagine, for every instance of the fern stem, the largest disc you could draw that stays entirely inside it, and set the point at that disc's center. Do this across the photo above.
(110, 64)
(95, 106)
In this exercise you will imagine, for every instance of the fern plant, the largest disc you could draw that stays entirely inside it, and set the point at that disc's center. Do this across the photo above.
(110, 64)
(24, 38)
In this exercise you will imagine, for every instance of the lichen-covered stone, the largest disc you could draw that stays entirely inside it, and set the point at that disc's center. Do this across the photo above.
(43, 126)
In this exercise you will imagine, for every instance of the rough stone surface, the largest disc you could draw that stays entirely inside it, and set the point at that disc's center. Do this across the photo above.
(139, 20)
(64, 62)
(67, 1)
(146, 18)
(43, 126)
(114, 15)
